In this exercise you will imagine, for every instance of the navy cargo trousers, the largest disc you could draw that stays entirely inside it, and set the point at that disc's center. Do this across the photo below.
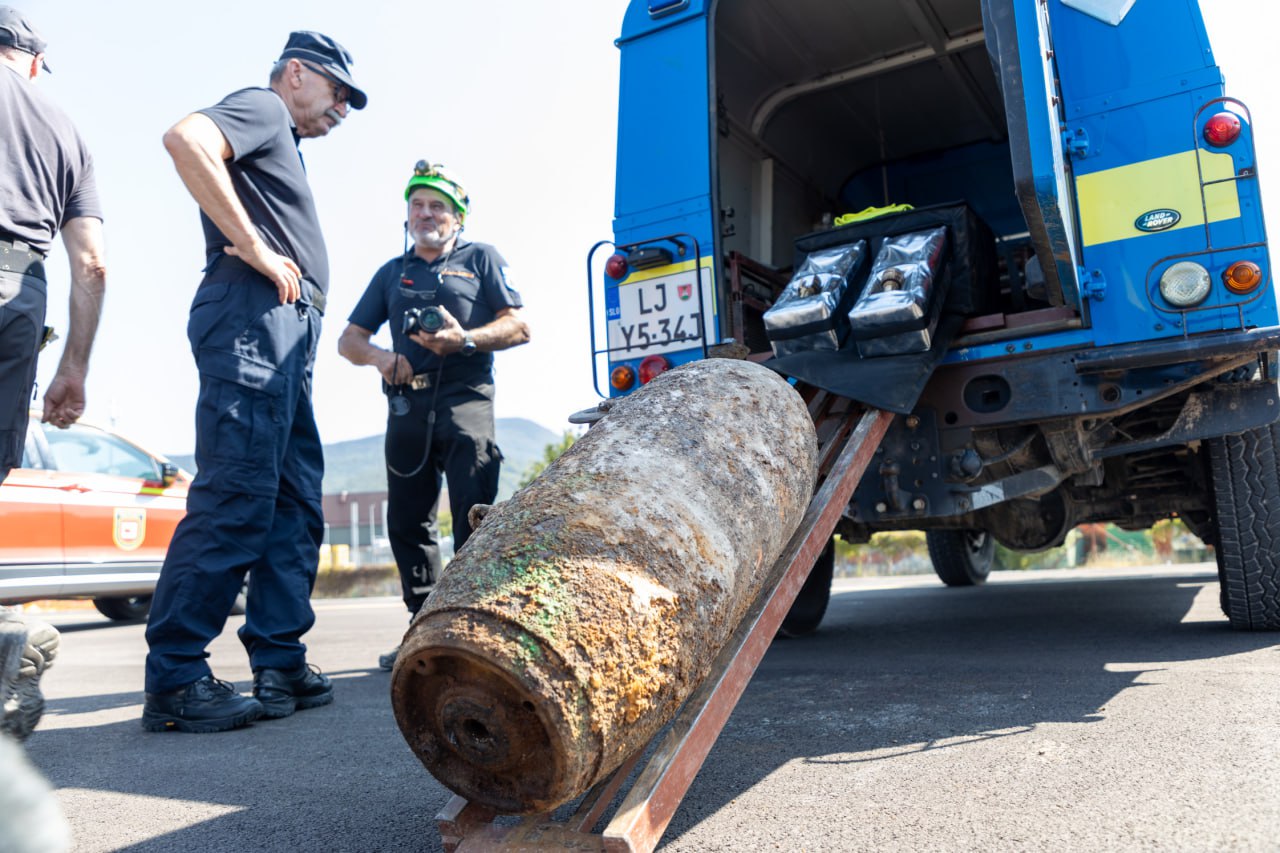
(255, 505)
(462, 449)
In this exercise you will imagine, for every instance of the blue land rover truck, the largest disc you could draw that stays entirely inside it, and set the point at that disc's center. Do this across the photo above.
(1099, 342)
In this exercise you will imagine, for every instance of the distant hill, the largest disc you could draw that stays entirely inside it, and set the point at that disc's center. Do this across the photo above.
(358, 465)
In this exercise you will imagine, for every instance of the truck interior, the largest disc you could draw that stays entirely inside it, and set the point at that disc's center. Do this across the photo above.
(822, 112)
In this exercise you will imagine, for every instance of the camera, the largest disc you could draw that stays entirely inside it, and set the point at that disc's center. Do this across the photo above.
(427, 319)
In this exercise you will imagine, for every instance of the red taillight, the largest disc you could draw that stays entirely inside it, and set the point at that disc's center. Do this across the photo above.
(1242, 277)
(616, 267)
(622, 377)
(1222, 130)
(651, 366)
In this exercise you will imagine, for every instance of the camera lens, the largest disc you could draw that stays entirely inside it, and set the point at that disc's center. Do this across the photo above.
(431, 319)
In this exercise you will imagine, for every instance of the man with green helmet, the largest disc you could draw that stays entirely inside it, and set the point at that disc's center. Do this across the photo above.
(451, 304)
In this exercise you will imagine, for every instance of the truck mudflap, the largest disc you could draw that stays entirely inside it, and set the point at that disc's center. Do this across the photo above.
(893, 383)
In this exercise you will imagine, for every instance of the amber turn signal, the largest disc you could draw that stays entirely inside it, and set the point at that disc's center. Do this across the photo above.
(1242, 277)
(622, 377)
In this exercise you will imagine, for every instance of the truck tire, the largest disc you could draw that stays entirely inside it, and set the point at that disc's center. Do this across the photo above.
(1245, 472)
(131, 609)
(961, 557)
(811, 604)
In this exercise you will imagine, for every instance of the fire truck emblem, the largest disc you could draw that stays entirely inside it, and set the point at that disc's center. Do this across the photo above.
(130, 528)
(685, 291)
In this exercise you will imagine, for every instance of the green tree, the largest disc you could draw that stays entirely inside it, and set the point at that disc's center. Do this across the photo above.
(550, 454)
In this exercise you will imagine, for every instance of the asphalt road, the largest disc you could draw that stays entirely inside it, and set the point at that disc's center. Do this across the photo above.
(1050, 711)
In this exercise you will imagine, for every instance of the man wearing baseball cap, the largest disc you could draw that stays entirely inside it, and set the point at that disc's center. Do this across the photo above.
(48, 188)
(254, 506)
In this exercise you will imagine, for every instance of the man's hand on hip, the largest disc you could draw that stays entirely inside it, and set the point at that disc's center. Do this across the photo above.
(282, 271)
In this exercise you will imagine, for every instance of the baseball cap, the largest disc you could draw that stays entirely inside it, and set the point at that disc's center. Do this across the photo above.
(332, 57)
(16, 32)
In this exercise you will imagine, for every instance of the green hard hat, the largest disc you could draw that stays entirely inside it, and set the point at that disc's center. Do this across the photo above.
(435, 177)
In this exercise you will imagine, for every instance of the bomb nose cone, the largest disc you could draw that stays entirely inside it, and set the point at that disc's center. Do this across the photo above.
(480, 725)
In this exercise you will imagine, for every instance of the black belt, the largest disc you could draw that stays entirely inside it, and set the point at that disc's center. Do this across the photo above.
(17, 256)
(311, 294)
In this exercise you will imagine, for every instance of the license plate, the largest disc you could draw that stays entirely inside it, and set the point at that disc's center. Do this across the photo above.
(660, 315)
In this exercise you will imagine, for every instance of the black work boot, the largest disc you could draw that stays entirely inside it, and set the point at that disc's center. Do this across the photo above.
(207, 705)
(282, 692)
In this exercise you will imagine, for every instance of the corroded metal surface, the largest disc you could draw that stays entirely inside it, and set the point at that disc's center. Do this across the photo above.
(584, 610)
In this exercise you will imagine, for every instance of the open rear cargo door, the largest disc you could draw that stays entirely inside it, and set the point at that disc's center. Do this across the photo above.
(1020, 44)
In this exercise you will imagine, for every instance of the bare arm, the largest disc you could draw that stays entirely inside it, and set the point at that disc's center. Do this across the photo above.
(354, 345)
(200, 153)
(64, 399)
(508, 329)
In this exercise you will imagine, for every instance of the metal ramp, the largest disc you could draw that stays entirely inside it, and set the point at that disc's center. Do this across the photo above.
(848, 435)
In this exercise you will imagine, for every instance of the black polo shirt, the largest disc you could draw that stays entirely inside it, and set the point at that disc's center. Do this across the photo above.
(46, 173)
(473, 283)
(269, 177)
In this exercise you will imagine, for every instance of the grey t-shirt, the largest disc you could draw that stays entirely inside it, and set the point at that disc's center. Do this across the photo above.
(46, 172)
(270, 179)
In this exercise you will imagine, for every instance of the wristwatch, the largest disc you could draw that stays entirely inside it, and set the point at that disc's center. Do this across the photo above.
(468, 345)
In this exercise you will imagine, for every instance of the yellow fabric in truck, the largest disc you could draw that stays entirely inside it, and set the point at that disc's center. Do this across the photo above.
(871, 213)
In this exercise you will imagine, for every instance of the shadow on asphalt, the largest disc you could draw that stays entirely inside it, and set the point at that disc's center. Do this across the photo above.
(906, 670)
(890, 671)
(329, 778)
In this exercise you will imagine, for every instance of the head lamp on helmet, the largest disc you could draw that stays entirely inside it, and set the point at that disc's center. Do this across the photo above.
(435, 177)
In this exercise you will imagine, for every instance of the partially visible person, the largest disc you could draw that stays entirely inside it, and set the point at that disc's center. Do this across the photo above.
(47, 187)
(27, 648)
(255, 503)
(451, 305)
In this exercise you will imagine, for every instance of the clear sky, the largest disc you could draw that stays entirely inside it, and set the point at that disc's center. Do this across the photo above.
(519, 98)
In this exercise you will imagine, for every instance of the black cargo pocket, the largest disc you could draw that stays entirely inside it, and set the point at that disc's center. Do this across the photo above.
(247, 372)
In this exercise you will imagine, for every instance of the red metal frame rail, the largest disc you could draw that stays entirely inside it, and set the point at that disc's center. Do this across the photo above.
(849, 435)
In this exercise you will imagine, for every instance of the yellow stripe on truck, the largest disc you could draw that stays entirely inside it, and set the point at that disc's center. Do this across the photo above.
(1111, 200)
(669, 269)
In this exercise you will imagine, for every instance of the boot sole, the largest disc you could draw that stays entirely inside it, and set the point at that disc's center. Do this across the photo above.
(279, 708)
(153, 722)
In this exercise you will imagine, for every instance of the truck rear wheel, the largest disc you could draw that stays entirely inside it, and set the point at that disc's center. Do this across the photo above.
(961, 557)
(1245, 472)
(811, 604)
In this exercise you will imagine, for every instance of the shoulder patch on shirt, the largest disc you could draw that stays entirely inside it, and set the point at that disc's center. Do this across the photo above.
(508, 279)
